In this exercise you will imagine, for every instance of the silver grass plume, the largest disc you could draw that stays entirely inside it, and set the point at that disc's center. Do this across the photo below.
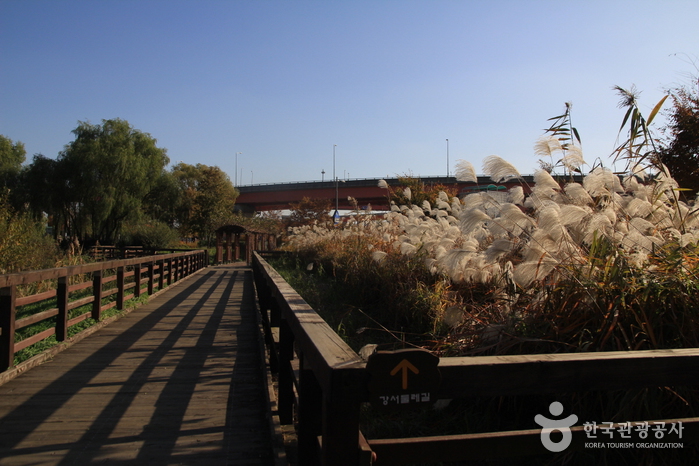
(378, 256)
(573, 159)
(528, 272)
(472, 218)
(545, 146)
(638, 208)
(499, 169)
(571, 214)
(577, 194)
(544, 181)
(383, 184)
(408, 193)
(516, 195)
(498, 248)
(465, 171)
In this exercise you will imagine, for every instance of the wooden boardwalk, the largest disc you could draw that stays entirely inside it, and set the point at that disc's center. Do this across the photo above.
(177, 381)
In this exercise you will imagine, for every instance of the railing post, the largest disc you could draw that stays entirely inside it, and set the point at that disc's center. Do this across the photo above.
(62, 304)
(310, 412)
(137, 280)
(97, 293)
(341, 407)
(150, 278)
(8, 296)
(169, 272)
(237, 246)
(161, 278)
(120, 288)
(286, 382)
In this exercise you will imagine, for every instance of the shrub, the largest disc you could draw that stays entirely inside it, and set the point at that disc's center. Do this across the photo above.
(24, 244)
(150, 235)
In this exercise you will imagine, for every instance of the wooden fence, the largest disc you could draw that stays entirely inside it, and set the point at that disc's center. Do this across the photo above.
(94, 287)
(326, 382)
(109, 253)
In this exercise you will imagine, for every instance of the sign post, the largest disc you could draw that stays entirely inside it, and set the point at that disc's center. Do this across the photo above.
(403, 378)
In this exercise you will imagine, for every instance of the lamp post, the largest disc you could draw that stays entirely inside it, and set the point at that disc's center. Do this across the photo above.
(335, 177)
(322, 175)
(236, 168)
(447, 158)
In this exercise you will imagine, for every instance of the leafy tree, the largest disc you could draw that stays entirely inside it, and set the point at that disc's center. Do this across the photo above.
(309, 211)
(12, 155)
(45, 190)
(207, 199)
(163, 203)
(413, 191)
(109, 170)
(679, 150)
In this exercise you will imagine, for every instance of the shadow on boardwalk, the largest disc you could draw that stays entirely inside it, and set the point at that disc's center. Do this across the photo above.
(177, 381)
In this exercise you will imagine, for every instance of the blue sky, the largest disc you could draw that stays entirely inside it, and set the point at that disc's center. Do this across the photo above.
(386, 81)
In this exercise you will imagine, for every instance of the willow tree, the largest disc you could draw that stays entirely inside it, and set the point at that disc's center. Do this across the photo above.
(109, 170)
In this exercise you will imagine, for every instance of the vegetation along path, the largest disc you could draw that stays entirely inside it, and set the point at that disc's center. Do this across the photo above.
(177, 381)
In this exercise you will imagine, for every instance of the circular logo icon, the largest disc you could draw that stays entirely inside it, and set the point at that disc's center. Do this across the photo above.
(552, 425)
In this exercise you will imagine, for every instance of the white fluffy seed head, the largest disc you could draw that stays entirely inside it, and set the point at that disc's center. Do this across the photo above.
(465, 171)
(499, 169)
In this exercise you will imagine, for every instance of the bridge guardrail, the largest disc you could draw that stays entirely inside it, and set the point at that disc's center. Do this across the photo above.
(93, 283)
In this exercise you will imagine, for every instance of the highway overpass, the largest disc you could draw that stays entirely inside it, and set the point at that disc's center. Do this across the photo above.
(279, 196)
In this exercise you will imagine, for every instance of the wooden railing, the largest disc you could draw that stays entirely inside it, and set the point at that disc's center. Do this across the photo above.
(97, 287)
(321, 377)
(109, 253)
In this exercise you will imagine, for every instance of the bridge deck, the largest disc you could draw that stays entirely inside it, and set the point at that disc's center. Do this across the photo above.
(177, 381)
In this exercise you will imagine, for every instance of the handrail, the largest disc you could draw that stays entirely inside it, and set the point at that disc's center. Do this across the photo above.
(158, 272)
(333, 382)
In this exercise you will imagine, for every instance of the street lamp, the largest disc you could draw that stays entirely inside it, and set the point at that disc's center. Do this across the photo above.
(236, 168)
(447, 158)
(322, 175)
(337, 198)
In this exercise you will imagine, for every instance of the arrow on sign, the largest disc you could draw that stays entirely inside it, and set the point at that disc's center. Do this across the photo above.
(404, 366)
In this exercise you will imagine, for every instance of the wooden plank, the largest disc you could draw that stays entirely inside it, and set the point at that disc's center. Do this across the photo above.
(80, 302)
(78, 319)
(34, 318)
(493, 445)
(35, 298)
(550, 373)
(20, 345)
(79, 286)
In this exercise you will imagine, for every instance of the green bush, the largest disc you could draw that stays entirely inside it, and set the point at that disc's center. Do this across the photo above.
(24, 244)
(150, 235)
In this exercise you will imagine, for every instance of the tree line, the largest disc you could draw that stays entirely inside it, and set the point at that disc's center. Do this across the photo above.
(111, 185)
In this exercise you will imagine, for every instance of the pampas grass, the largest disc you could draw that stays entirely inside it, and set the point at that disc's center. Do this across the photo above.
(465, 171)
(499, 169)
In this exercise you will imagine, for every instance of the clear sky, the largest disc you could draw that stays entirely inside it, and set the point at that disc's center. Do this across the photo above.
(388, 82)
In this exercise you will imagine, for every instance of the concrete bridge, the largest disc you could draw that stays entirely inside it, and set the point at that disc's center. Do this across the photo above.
(279, 196)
